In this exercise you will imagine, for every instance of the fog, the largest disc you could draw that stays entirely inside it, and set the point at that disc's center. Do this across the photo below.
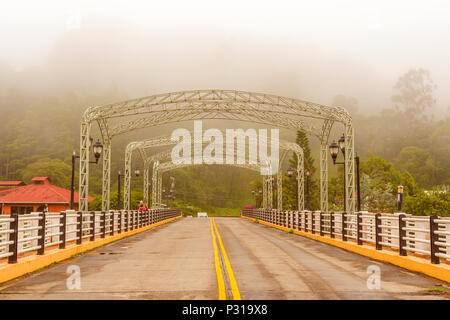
(313, 51)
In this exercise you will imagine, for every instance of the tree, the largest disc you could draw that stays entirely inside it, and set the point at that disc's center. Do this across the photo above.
(434, 202)
(420, 162)
(58, 171)
(379, 198)
(256, 186)
(414, 94)
(96, 204)
(303, 141)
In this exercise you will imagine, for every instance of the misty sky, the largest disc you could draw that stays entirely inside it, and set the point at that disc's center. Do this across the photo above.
(319, 48)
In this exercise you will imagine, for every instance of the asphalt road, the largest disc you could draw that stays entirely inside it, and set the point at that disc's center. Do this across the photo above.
(179, 261)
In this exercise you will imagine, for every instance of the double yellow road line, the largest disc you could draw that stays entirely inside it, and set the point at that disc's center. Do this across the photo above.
(229, 270)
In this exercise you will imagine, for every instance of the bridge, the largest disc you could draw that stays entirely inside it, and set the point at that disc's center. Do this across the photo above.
(266, 253)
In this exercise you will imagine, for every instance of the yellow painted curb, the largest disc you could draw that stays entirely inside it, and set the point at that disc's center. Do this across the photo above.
(438, 271)
(36, 262)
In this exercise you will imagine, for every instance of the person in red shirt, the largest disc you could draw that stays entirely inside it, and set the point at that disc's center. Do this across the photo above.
(142, 206)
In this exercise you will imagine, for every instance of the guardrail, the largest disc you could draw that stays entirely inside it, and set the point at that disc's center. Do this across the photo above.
(37, 231)
(421, 235)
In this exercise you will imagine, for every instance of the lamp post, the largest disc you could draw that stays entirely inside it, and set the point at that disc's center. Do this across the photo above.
(98, 149)
(172, 188)
(254, 196)
(290, 173)
(399, 198)
(334, 150)
(118, 189)
(137, 172)
(260, 196)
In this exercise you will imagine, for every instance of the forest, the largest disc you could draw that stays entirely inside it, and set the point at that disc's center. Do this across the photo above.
(404, 143)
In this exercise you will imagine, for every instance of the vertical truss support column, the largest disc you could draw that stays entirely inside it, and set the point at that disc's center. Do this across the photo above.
(280, 190)
(270, 191)
(300, 182)
(106, 175)
(324, 165)
(324, 177)
(154, 184)
(159, 187)
(280, 181)
(127, 183)
(84, 166)
(145, 187)
(350, 167)
(264, 203)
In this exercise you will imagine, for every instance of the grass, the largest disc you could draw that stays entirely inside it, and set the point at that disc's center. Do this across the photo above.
(214, 212)
(439, 291)
(290, 231)
(234, 212)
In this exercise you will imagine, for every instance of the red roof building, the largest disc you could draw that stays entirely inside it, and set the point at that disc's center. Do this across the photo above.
(35, 197)
(11, 184)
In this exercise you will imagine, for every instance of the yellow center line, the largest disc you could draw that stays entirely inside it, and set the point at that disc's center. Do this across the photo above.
(233, 283)
(220, 281)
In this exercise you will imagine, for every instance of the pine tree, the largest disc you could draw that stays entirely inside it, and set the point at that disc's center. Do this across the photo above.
(303, 141)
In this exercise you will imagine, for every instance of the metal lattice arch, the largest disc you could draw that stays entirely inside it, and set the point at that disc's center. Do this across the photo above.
(160, 168)
(150, 160)
(294, 114)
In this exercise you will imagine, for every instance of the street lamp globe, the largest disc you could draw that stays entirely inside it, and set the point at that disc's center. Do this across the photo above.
(98, 149)
(253, 192)
(341, 142)
(137, 172)
(290, 172)
(334, 149)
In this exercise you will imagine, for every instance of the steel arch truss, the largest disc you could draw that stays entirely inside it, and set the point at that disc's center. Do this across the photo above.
(118, 118)
(148, 160)
(168, 166)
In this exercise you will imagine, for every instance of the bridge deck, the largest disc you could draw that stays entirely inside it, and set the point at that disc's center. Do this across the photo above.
(176, 261)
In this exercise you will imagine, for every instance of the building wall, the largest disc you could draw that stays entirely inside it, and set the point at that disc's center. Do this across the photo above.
(56, 207)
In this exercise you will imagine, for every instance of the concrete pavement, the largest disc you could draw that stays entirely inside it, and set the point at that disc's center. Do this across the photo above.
(177, 261)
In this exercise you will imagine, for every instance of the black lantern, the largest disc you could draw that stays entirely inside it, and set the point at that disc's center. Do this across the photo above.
(290, 172)
(137, 172)
(98, 149)
(334, 149)
(341, 142)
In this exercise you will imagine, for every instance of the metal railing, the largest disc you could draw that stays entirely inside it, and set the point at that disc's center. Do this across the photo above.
(420, 235)
(35, 232)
